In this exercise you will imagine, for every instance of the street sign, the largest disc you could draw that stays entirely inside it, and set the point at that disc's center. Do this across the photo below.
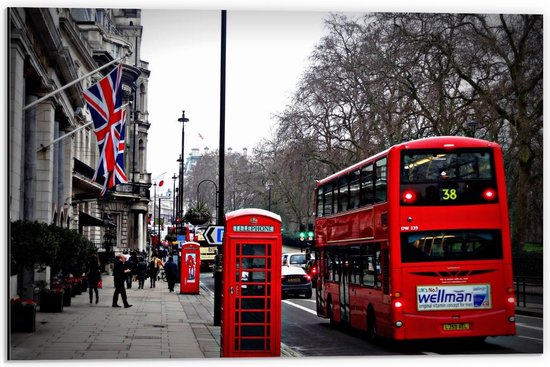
(214, 235)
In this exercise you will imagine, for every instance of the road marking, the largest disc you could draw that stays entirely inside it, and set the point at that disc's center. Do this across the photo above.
(300, 307)
(528, 326)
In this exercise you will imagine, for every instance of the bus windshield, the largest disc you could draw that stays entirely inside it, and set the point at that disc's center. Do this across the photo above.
(451, 246)
(439, 177)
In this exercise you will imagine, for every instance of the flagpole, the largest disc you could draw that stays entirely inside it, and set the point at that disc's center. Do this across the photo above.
(44, 147)
(75, 81)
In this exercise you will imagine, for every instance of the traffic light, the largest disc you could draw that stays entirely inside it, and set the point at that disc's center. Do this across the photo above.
(302, 234)
(310, 232)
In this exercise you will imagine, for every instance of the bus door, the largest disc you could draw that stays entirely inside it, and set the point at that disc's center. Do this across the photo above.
(319, 299)
(344, 288)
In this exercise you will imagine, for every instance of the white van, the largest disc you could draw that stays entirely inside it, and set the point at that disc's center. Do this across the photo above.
(295, 259)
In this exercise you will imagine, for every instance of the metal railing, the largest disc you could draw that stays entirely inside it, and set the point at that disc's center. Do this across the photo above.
(528, 289)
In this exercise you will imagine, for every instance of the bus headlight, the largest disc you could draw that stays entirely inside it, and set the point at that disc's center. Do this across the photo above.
(398, 323)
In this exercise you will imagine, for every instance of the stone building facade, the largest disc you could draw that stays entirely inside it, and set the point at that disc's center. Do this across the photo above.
(52, 149)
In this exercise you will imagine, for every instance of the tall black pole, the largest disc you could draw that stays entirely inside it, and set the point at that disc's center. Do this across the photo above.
(220, 215)
(159, 218)
(154, 212)
(174, 178)
(183, 120)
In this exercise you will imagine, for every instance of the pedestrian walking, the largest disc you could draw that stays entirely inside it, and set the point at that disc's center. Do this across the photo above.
(171, 270)
(119, 275)
(94, 276)
(131, 264)
(154, 266)
(141, 272)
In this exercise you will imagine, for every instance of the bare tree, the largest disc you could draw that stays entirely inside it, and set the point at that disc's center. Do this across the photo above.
(496, 61)
(381, 79)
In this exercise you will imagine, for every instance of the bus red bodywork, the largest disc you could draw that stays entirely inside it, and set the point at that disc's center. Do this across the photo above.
(420, 257)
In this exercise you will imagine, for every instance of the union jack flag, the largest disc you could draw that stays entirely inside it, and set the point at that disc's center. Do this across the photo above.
(104, 100)
(119, 175)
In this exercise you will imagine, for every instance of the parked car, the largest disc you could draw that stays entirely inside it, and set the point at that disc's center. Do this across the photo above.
(295, 281)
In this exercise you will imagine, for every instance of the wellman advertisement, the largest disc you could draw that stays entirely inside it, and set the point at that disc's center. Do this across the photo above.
(452, 297)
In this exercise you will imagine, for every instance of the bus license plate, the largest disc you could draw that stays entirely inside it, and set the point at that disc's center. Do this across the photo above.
(451, 327)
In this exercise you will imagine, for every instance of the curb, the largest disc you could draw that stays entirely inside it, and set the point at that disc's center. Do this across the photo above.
(286, 351)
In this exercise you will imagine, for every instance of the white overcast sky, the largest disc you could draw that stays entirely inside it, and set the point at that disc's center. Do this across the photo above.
(266, 54)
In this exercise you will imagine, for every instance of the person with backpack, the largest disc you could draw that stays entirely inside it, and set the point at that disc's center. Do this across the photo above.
(141, 271)
(94, 276)
(131, 264)
(154, 266)
(171, 269)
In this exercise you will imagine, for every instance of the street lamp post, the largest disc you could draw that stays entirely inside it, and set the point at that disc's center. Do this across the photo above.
(174, 178)
(160, 198)
(154, 203)
(183, 120)
(178, 207)
(220, 220)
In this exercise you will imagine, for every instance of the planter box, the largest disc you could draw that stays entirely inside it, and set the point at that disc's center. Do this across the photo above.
(84, 285)
(66, 298)
(77, 288)
(51, 301)
(23, 318)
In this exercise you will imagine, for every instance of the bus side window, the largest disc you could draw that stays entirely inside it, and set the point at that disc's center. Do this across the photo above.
(320, 201)
(343, 194)
(381, 180)
(368, 271)
(378, 268)
(354, 189)
(355, 265)
(326, 267)
(327, 192)
(367, 185)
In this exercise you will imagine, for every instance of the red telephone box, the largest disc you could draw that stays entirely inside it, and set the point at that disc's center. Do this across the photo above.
(190, 268)
(251, 290)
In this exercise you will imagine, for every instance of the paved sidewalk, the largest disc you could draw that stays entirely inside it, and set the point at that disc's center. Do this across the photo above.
(159, 325)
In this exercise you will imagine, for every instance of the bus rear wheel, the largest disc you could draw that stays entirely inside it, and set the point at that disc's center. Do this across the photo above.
(372, 333)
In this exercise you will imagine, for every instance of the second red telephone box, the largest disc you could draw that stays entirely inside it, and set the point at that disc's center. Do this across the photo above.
(190, 268)
(251, 291)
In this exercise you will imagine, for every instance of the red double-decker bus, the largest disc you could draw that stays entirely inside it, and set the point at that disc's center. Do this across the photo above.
(414, 242)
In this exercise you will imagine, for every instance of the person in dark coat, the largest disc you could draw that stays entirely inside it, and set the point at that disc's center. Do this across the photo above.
(141, 271)
(94, 276)
(171, 270)
(119, 275)
(154, 266)
(131, 264)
